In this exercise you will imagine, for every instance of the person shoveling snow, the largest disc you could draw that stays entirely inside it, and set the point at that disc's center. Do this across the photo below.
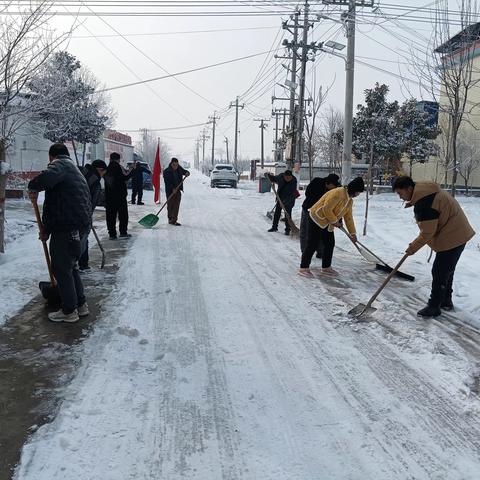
(444, 227)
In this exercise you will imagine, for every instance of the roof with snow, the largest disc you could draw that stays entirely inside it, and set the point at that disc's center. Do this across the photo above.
(461, 40)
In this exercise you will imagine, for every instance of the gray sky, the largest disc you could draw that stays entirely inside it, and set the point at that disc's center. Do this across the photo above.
(167, 103)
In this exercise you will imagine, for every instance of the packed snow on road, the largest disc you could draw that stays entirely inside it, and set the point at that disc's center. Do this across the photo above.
(212, 359)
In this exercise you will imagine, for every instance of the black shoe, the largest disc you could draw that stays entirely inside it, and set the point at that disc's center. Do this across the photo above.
(140, 203)
(273, 229)
(429, 311)
(84, 268)
(125, 235)
(447, 305)
(287, 232)
(113, 237)
(133, 203)
(177, 224)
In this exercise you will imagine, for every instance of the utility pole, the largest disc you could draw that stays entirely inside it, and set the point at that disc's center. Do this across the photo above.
(235, 148)
(213, 121)
(263, 126)
(279, 142)
(228, 156)
(301, 102)
(350, 18)
(204, 139)
(293, 88)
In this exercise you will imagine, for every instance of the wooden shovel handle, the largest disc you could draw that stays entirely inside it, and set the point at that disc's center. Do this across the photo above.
(363, 246)
(41, 229)
(287, 215)
(384, 284)
(171, 195)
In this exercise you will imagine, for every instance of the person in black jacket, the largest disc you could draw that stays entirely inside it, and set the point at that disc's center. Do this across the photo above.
(93, 173)
(116, 197)
(137, 182)
(315, 190)
(66, 217)
(173, 176)
(287, 191)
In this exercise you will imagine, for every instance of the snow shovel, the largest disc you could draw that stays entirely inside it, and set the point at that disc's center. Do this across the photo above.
(362, 309)
(49, 290)
(369, 256)
(294, 229)
(150, 220)
(100, 246)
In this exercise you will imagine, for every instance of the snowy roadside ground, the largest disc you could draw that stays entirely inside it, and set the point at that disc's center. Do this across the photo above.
(214, 360)
(22, 265)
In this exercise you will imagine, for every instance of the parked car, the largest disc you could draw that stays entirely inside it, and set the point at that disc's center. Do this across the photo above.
(223, 175)
(147, 177)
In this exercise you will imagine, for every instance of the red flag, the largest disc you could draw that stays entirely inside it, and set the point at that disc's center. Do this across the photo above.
(157, 170)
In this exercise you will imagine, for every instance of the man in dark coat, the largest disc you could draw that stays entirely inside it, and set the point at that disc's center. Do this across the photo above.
(173, 176)
(116, 197)
(315, 190)
(93, 173)
(66, 217)
(137, 182)
(287, 191)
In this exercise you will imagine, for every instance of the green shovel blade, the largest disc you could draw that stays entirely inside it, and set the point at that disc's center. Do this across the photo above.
(149, 220)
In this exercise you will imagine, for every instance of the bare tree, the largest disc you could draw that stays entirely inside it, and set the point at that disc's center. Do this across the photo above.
(468, 155)
(327, 137)
(26, 41)
(447, 71)
(317, 100)
(147, 147)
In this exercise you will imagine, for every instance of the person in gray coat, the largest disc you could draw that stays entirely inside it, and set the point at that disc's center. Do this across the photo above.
(66, 217)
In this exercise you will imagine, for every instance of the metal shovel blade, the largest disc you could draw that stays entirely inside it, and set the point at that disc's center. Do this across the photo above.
(50, 293)
(149, 220)
(360, 310)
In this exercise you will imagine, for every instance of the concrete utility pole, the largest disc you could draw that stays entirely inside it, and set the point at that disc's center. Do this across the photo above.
(279, 143)
(235, 148)
(204, 139)
(228, 156)
(350, 17)
(263, 126)
(301, 102)
(213, 121)
(293, 87)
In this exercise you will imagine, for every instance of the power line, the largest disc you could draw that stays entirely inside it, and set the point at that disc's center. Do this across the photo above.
(184, 72)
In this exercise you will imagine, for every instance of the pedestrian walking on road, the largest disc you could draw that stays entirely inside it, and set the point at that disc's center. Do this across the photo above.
(173, 176)
(116, 197)
(287, 192)
(444, 228)
(137, 182)
(315, 190)
(93, 173)
(327, 213)
(66, 217)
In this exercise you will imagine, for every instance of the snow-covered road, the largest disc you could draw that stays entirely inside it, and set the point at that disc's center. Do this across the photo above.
(214, 360)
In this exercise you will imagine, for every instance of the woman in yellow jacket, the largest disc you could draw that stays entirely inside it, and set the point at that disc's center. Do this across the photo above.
(325, 215)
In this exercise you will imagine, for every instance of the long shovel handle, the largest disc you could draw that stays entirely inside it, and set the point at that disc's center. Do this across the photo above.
(171, 195)
(99, 243)
(363, 246)
(287, 215)
(384, 284)
(41, 229)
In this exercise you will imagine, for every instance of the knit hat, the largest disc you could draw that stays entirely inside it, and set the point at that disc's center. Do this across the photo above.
(333, 179)
(288, 173)
(356, 185)
(99, 164)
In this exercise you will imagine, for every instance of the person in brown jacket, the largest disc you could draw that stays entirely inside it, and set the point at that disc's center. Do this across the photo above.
(444, 228)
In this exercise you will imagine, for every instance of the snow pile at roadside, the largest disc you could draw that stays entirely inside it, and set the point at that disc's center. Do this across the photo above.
(22, 265)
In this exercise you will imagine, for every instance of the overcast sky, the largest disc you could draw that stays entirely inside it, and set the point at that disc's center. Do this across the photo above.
(167, 103)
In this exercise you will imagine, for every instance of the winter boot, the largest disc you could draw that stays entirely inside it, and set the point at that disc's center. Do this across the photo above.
(273, 229)
(287, 232)
(64, 317)
(140, 203)
(125, 235)
(83, 310)
(429, 311)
